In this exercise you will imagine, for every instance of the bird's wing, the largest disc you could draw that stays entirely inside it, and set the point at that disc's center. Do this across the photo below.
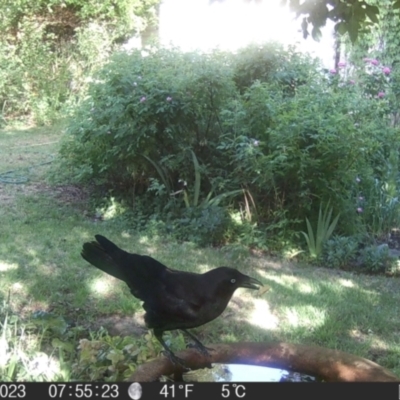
(176, 301)
(144, 275)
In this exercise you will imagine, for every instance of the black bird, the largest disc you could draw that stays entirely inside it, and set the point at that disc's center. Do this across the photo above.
(172, 299)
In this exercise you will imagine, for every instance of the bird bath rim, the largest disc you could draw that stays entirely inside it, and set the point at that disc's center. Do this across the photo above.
(326, 364)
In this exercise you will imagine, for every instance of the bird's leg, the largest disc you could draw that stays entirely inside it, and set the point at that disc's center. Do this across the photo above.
(197, 344)
(168, 352)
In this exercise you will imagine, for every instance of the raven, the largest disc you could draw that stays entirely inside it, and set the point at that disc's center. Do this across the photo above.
(172, 299)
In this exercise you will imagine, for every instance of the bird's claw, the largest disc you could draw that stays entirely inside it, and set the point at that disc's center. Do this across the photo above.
(200, 348)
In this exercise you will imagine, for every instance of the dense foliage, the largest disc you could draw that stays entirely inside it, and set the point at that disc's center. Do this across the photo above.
(248, 146)
(351, 17)
(49, 48)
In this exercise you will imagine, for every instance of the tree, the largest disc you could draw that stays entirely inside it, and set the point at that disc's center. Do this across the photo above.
(349, 16)
(48, 48)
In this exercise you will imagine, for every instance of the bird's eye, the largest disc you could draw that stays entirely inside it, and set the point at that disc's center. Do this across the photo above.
(233, 280)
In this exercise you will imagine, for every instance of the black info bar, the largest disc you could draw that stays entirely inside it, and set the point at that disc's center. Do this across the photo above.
(197, 391)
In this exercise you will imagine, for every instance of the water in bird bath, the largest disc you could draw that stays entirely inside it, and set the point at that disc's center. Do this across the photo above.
(245, 373)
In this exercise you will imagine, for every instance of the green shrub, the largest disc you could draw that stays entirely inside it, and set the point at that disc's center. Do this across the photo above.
(269, 151)
(379, 203)
(144, 112)
(205, 225)
(307, 149)
(340, 251)
(271, 62)
(49, 49)
(377, 259)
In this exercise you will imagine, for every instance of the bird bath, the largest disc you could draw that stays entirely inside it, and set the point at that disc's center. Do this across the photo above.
(324, 364)
(245, 373)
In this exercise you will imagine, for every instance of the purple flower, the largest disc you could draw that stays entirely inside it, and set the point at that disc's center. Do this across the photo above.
(359, 210)
(352, 82)
(367, 59)
(374, 61)
(341, 64)
(386, 70)
(332, 71)
(169, 98)
(358, 180)
(143, 99)
(381, 94)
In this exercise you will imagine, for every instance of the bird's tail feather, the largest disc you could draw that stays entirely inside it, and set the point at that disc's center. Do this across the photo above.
(101, 256)
(108, 246)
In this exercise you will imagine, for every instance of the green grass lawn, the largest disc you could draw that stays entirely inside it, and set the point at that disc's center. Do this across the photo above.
(42, 231)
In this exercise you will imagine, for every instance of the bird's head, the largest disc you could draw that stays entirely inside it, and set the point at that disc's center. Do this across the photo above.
(232, 279)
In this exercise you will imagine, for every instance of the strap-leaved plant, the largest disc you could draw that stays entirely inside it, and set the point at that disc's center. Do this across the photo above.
(325, 229)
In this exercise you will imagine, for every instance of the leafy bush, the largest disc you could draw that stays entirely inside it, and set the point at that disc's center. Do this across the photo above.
(377, 258)
(306, 149)
(271, 62)
(379, 204)
(204, 225)
(112, 358)
(48, 50)
(146, 113)
(179, 129)
(340, 251)
(376, 193)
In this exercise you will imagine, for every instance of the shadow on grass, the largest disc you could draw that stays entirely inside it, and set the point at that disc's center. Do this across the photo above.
(41, 269)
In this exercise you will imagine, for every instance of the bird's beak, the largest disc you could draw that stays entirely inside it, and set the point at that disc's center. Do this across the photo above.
(250, 283)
